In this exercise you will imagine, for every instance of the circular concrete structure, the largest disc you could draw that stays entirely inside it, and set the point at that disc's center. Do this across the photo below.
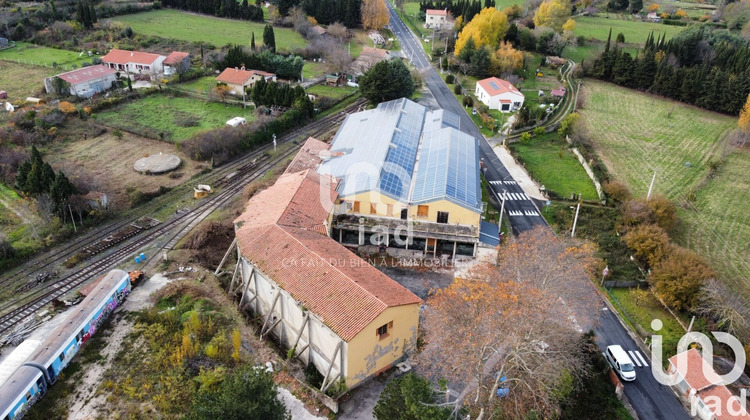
(157, 164)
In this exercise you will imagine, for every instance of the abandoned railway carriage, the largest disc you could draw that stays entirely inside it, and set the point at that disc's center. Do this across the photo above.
(50, 356)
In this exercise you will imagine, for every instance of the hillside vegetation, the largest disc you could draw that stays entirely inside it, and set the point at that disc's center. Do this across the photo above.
(687, 148)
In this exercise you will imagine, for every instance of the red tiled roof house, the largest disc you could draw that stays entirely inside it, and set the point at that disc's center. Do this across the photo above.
(437, 18)
(238, 79)
(134, 62)
(499, 94)
(176, 62)
(334, 309)
(84, 82)
(701, 387)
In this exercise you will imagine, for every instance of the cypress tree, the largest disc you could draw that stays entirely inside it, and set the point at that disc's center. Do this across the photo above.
(252, 42)
(22, 174)
(269, 40)
(92, 13)
(48, 177)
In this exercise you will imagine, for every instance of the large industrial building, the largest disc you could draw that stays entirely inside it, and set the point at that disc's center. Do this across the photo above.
(408, 178)
(332, 308)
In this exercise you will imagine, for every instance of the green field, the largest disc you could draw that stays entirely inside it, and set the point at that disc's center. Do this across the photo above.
(634, 31)
(549, 162)
(198, 28)
(32, 54)
(333, 92)
(170, 115)
(678, 142)
(202, 85)
(312, 70)
(21, 81)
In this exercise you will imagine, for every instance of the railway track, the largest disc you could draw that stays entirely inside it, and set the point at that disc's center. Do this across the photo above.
(233, 181)
(217, 177)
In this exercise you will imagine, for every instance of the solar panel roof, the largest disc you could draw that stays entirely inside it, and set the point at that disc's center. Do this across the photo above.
(408, 153)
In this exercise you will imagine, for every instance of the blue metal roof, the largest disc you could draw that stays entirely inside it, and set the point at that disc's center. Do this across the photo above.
(408, 153)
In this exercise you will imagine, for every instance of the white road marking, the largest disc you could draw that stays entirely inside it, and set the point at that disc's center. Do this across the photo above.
(634, 359)
(510, 182)
(531, 213)
(640, 356)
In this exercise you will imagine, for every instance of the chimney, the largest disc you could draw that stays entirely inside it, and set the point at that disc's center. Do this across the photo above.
(235, 69)
(131, 53)
(243, 68)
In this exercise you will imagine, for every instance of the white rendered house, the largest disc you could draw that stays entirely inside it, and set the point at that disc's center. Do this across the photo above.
(499, 94)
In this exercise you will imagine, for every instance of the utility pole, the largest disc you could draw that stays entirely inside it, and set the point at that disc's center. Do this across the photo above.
(502, 209)
(274, 142)
(651, 187)
(575, 221)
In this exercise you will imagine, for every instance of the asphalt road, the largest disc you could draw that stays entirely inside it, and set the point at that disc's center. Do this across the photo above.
(649, 398)
(522, 212)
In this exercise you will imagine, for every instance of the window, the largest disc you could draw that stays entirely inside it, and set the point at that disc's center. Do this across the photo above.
(442, 217)
(389, 208)
(373, 209)
(62, 356)
(28, 396)
(383, 330)
(404, 213)
(356, 207)
(505, 107)
(422, 211)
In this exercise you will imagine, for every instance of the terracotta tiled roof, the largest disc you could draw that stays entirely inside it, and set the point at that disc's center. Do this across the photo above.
(175, 57)
(374, 52)
(124, 57)
(86, 74)
(309, 156)
(439, 12)
(494, 86)
(280, 233)
(302, 199)
(319, 30)
(94, 195)
(333, 283)
(697, 372)
(728, 402)
(239, 76)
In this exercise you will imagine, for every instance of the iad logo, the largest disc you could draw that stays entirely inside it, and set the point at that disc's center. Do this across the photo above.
(680, 365)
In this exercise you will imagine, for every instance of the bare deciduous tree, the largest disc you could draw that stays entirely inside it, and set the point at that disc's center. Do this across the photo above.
(519, 320)
(338, 31)
(337, 61)
(726, 307)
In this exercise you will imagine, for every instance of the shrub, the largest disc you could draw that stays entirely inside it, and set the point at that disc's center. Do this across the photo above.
(648, 242)
(449, 79)
(66, 107)
(663, 212)
(617, 190)
(679, 277)
(457, 89)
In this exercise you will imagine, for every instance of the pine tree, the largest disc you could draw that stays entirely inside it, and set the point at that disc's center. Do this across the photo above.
(48, 176)
(22, 174)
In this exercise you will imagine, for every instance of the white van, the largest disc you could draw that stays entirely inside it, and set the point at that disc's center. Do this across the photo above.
(234, 122)
(620, 362)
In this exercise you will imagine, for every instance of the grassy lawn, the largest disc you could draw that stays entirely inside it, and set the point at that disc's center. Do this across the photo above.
(312, 70)
(678, 142)
(44, 56)
(549, 161)
(333, 92)
(198, 28)
(21, 81)
(170, 115)
(693, 9)
(200, 85)
(582, 52)
(634, 31)
(717, 224)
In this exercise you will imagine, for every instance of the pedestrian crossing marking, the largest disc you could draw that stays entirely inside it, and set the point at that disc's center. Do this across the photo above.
(522, 213)
(638, 358)
(634, 359)
(503, 182)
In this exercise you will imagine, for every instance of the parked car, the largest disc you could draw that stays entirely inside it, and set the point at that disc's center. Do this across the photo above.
(620, 362)
(236, 121)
